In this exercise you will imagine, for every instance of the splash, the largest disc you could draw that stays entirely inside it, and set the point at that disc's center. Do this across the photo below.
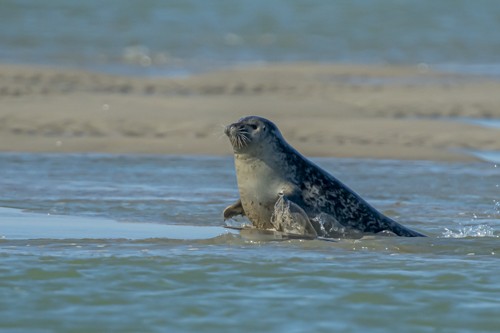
(497, 206)
(291, 219)
(331, 228)
(478, 231)
(328, 225)
(237, 223)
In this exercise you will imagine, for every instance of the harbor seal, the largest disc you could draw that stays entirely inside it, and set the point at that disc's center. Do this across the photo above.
(282, 190)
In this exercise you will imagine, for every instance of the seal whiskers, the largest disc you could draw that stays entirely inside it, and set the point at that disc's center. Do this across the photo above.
(238, 136)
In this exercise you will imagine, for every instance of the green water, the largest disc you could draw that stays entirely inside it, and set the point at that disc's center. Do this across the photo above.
(232, 285)
(447, 282)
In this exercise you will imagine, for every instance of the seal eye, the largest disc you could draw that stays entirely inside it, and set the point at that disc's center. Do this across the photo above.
(253, 126)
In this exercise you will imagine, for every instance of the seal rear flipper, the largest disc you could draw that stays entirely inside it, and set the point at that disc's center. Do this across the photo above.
(290, 218)
(406, 232)
(399, 229)
(234, 210)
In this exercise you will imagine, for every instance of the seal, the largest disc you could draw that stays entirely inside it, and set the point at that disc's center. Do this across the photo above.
(282, 190)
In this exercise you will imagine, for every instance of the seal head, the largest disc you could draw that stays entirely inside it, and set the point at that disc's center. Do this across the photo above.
(252, 135)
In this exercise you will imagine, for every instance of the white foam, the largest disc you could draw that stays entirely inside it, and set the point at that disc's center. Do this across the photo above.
(482, 230)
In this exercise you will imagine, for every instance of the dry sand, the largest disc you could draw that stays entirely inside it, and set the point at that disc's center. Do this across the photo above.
(322, 110)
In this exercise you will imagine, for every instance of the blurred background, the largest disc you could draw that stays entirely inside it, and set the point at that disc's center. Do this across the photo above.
(176, 37)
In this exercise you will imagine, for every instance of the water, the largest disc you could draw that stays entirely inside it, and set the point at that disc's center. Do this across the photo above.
(490, 123)
(444, 283)
(175, 37)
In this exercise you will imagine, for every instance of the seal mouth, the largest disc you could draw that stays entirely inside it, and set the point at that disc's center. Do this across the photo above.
(238, 136)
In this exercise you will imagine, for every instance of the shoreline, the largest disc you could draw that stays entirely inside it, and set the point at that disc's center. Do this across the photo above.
(323, 110)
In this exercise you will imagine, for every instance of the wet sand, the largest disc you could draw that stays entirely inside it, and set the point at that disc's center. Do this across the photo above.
(322, 110)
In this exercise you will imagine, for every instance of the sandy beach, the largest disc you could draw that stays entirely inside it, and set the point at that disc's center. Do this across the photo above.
(323, 110)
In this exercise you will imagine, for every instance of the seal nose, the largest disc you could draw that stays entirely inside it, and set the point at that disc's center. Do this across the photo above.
(227, 129)
(230, 129)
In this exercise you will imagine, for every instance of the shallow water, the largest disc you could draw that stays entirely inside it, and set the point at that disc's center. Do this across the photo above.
(489, 123)
(446, 282)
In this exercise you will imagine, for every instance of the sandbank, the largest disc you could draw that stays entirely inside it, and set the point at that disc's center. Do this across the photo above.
(361, 111)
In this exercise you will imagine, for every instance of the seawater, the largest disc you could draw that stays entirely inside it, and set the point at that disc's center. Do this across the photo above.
(447, 282)
(170, 36)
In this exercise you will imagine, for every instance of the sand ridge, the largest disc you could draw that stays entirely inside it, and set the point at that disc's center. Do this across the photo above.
(323, 110)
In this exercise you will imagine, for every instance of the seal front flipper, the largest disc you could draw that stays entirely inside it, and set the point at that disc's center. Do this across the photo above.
(290, 218)
(234, 210)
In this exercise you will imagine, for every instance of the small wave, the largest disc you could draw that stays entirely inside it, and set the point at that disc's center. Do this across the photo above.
(482, 230)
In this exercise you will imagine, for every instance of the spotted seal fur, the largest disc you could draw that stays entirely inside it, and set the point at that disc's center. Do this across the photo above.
(282, 190)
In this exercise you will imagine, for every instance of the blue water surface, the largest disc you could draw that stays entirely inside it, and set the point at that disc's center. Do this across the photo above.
(156, 36)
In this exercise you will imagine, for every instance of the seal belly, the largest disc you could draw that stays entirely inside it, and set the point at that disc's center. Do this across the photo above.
(258, 194)
(260, 213)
